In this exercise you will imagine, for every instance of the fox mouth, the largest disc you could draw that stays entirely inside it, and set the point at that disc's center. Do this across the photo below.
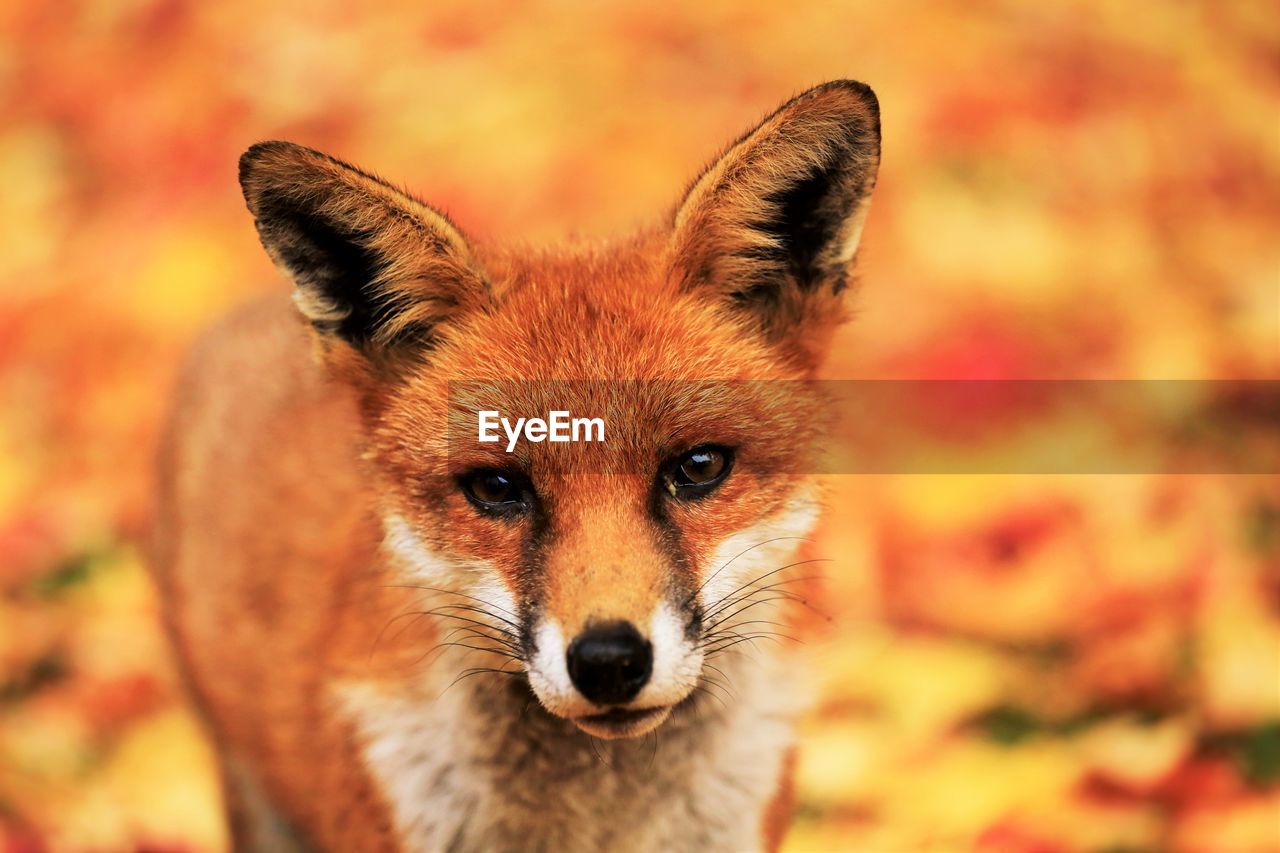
(623, 722)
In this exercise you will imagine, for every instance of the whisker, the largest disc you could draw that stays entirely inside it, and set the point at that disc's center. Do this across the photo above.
(441, 647)
(469, 608)
(774, 595)
(378, 639)
(591, 741)
(792, 565)
(712, 614)
(723, 684)
(737, 629)
(476, 633)
(716, 683)
(770, 636)
(504, 636)
(459, 594)
(750, 602)
(472, 638)
(478, 670)
(490, 649)
(440, 611)
(757, 580)
(773, 622)
(694, 594)
(705, 692)
(695, 704)
(748, 638)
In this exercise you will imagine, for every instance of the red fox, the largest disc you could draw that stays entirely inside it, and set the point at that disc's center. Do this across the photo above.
(406, 640)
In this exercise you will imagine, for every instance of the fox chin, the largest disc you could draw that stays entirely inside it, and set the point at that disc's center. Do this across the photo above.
(404, 637)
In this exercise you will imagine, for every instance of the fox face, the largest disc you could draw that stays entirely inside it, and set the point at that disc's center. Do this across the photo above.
(605, 572)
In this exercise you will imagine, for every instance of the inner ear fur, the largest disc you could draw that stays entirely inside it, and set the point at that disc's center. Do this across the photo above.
(771, 227)
(373, 267)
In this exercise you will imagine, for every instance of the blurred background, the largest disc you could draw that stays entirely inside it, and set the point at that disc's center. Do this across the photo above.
(1073, 191)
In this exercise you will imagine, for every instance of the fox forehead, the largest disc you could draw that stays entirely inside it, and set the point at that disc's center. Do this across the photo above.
(608, 311)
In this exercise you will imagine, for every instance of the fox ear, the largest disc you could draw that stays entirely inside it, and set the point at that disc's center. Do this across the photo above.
(772, 226)
(373, 267)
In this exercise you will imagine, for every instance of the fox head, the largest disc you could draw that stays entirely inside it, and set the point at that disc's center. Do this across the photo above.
(605, 572)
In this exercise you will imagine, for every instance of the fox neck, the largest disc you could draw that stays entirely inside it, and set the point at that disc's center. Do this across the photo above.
(485, 746)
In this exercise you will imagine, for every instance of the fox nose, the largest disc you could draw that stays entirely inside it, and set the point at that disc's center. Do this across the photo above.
(609, 663)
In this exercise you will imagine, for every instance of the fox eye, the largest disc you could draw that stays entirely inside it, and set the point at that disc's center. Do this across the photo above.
(497, 492)
(698, 471)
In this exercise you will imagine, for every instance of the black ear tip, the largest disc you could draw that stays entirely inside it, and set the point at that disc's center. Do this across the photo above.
(859, 91)
(865, 93)
(260, 151)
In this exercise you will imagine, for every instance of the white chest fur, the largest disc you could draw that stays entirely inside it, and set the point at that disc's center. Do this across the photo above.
(482, 767)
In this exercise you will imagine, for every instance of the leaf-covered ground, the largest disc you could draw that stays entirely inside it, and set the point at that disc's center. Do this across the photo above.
(1087, 190)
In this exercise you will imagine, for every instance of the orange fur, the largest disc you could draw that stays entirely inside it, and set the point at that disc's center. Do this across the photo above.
(281, 470)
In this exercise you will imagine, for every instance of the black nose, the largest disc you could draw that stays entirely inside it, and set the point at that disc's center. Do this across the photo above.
(609, 663)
